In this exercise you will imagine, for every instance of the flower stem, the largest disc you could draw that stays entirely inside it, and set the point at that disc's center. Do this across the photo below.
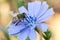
(40, 32)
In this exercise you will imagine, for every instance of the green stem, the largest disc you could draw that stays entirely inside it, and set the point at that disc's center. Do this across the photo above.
(40, 32)
(5, 33)
(7, 36)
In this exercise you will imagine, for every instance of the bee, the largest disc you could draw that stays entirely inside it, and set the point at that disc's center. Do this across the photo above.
(18, 18)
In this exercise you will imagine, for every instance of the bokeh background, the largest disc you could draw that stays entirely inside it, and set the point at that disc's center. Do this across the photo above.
(54, 21)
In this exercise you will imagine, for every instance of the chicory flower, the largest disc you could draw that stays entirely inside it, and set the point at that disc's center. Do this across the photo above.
(37, 14)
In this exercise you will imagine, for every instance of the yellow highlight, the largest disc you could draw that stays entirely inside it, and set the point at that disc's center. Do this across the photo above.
(4, 12)
(54, 26)
(13, 38)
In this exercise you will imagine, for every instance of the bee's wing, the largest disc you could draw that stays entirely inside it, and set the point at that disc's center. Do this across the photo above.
(13, 14)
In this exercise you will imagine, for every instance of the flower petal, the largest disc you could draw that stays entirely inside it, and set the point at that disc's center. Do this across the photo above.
(25, 21)
(23, 10)
(47, 15)
(43, 27)
(43, 9)
(33, 35)
(23, 35)
(33, 8)
(15, 29)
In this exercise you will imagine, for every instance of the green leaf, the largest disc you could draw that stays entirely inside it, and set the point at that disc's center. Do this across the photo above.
(6, 35)
(47, 35)
(20, 3)
(28, 38)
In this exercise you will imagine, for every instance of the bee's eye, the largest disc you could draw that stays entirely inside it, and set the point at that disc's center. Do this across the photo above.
(24, 15)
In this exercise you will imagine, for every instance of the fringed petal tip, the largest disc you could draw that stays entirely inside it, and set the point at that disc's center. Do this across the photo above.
(33, 8)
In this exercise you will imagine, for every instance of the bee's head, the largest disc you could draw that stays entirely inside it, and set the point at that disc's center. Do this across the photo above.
(21, 16)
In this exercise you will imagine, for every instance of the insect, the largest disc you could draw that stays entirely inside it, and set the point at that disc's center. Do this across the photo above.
(18, 18)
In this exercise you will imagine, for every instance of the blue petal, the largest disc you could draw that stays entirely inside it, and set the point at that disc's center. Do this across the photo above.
(47, 15)
(43, 9)
(33, 8)
(15, 29)
(23, 10)
(25, 21)
(23, 35)
(43, 27)
(33, 35)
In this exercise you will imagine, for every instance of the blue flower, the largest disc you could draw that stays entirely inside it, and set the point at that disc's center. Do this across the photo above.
(37, 14)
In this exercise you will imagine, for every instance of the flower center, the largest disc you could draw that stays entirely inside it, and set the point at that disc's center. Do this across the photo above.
(31, 21)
